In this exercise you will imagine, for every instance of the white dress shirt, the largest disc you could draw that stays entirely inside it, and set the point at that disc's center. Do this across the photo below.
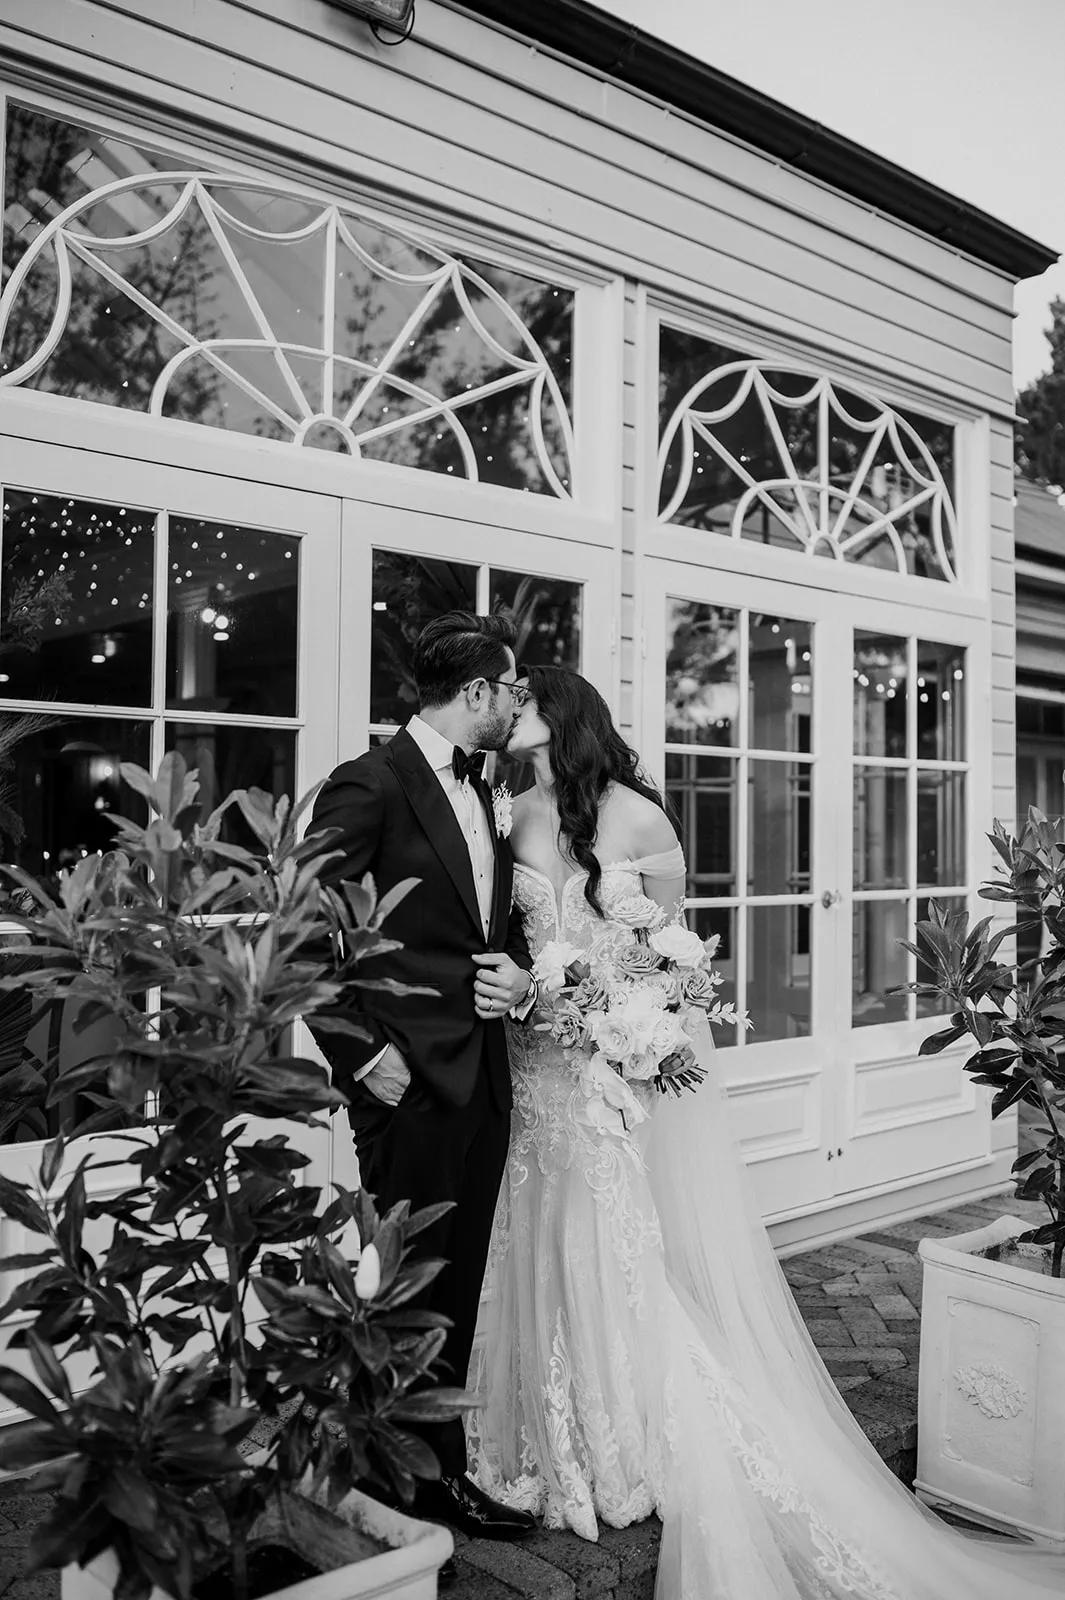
(468, 809)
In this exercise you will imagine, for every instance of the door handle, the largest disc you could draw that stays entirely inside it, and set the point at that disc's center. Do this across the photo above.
(830, 898)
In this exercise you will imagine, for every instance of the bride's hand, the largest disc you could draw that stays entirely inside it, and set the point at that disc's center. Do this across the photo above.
(500, 984)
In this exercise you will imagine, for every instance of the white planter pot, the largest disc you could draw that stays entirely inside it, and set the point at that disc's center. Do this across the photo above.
(406, 1570)
(991, 1412)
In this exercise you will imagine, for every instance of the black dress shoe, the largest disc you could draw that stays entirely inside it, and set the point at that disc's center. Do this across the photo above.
(461, 1504)
(447, 1574)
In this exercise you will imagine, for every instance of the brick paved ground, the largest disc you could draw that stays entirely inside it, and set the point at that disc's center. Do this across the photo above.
(861, 1301)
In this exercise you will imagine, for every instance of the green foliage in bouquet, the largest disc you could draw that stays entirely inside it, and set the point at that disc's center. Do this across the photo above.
(214, 1290)
(1017, 1018)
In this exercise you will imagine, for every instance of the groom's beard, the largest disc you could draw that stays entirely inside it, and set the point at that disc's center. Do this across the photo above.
(495, 732)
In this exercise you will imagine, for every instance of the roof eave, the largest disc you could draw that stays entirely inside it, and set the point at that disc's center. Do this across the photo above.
(630, 56)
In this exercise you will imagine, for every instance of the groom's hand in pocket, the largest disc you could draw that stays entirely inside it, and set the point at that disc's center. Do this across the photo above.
(388, 1078)
(500, 984)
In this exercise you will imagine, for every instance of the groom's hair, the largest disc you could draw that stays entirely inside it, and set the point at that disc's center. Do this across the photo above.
(454, 649)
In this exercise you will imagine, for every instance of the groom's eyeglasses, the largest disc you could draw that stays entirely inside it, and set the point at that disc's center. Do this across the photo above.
(518, 693)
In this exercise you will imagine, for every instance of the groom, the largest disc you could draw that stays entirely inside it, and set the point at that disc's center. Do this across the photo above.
(430, 1092)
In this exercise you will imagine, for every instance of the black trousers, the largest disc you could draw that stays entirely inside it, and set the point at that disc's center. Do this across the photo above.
(426, 1152)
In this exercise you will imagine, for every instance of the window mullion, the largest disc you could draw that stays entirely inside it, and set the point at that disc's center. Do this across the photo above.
(911, 818)
(159, 618)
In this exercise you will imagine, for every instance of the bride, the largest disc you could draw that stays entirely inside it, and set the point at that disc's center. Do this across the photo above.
(642, 1351)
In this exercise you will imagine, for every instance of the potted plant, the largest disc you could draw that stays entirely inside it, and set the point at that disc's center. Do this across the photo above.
(991, 1404)
(212, 1294)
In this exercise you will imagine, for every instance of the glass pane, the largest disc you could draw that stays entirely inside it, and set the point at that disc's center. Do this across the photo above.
(879, 695)
(76, 613)
(778, 827)
(926, 1006)
(229, 758)
(232, 617)
(547, 612)
(40, 1040)
(880, 828)
(64, 779)
(448, 356)
(940, 827)
(940, 702)
(1027, 784)
(702, 792)
(895, 482)
(702, 673)
(1055, 787)
(778, 971)
(878, 962)
(720, 922)
(408, 591)
(110, 349)
(780, 658)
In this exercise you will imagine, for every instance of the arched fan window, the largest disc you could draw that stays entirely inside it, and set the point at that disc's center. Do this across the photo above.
(136, 281)
(779, 454)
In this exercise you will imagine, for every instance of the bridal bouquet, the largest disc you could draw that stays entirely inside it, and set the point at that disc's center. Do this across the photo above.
(633, 1002)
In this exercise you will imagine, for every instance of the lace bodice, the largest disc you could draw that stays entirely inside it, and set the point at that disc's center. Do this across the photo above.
(568, 915)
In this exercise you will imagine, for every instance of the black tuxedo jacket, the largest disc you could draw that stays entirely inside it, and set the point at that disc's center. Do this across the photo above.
(396, 822)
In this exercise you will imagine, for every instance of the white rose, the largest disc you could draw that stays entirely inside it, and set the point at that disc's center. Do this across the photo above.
(678, 944)
(612, 1034)
(641, 1011)
(669, 1036)
(636, 911)
(549, 968)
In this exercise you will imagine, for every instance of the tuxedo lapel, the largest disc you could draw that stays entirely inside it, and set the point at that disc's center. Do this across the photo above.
(433, 810)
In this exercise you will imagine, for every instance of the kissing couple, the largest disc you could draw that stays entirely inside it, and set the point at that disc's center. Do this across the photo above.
(641, 1351)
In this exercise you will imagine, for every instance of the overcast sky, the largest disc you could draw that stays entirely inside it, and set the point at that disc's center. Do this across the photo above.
(967, 93)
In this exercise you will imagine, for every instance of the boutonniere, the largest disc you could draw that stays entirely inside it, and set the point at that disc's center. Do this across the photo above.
(502, 806)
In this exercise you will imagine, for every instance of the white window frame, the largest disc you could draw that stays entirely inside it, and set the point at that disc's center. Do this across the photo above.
(598, 344)
(970, 596)
(369, 527)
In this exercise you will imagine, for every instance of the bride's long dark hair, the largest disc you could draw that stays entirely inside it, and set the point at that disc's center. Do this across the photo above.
(587, 755)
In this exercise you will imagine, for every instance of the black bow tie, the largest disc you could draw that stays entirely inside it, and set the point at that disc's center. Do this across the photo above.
(467, 766)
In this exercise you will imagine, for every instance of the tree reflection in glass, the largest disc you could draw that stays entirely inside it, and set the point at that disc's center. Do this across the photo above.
(204, 298)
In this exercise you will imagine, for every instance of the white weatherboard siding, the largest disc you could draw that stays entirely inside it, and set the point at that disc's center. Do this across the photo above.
(507, 149)
(465, 118)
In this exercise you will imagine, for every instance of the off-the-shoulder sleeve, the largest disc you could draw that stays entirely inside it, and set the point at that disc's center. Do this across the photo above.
(666, 864)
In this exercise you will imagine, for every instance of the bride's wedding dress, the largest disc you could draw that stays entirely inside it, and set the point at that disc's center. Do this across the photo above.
(642, 1351)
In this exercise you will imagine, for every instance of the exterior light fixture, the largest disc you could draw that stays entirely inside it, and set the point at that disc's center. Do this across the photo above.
(395, 15)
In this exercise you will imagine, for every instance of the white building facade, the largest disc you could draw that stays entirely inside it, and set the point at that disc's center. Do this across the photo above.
(306, 337)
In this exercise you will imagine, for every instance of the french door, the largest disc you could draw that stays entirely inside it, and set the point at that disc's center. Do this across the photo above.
(263, 632)
(827, 758)
(187, 611)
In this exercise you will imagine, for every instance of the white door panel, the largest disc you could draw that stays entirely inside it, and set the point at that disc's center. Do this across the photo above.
(830, 1096)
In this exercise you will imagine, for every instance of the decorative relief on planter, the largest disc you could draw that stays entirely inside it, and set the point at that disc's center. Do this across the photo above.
(992, 1389)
